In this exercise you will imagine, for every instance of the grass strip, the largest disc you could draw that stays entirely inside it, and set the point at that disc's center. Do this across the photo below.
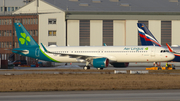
(81, 82)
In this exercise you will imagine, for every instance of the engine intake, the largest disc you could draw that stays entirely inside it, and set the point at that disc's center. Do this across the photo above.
(100, 62)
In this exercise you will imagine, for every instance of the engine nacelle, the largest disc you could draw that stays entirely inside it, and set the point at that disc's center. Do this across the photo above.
(100, 62)
(120, 64)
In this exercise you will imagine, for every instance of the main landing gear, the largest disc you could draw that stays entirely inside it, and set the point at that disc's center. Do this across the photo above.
(99, 68)
(86, 67)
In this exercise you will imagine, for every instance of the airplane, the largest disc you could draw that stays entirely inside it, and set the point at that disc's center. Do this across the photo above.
(148, 39)
(97, 56)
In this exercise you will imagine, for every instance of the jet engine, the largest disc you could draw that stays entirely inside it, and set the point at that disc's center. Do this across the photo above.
(100, 62)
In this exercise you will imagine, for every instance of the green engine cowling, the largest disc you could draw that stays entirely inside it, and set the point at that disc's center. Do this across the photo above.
(100, 62)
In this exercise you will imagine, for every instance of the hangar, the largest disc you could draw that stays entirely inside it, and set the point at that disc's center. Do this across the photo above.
(94, 22)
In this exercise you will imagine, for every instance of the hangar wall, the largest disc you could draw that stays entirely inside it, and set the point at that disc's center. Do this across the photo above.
(131, 33)
(73, 32)
(155, 28)
(96, 33)
(175, 32)
(124, 32)
(119, 33)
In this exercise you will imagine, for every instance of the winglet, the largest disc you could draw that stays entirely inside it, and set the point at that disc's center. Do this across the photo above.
(170, 49)
(44, 48)
(104, 44)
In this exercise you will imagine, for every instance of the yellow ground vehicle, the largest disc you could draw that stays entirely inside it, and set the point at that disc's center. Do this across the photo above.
(170, 67)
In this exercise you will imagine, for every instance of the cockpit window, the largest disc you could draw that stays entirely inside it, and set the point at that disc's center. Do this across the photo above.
(162, 51)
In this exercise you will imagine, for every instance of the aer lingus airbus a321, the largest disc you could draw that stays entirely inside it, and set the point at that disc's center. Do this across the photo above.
(99, 56)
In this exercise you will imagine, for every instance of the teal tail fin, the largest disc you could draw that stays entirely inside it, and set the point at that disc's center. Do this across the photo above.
(24, 38)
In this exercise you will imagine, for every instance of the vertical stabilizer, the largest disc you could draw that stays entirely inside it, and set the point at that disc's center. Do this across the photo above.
(146, 36)
(24, 38)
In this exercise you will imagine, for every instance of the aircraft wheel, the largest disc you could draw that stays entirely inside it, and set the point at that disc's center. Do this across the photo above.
(99, 68)
(85, 67)
(88, 67)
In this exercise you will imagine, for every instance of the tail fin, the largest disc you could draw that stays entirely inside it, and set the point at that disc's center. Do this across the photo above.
(24, 38)
(146, 36)
(170, 49)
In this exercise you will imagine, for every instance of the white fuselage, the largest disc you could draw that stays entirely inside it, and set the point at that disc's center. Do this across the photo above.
(113, 53)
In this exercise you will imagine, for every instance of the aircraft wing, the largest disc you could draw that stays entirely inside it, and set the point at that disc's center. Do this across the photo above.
(73, 55)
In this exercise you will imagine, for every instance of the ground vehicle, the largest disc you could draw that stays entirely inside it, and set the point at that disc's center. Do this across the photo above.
(170, 67)
(20, 62)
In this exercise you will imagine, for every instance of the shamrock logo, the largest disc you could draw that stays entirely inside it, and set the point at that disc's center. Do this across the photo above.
(24, 39)
(146, 48)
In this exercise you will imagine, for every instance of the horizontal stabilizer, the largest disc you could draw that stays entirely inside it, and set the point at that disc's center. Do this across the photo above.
(20, 50)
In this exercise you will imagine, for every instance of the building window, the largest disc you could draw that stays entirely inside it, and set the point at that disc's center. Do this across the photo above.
(5, 9)
(36, 21)
(2, 45)
(31, 32)
(165, 32)
(9, 9)
(139, 40)
(31, 21)
(4, 21)
(23, 21)
(1, 9)
(10, 21)
(84, 33)
(16, 45)
(5, 33)
(28, 21)
(36, 32)
(16, 8)
(10, 45)
(0, 21)
(108, 32)
(2, 33)
(7, 21)
(5, 45)
(51, 21)
(17, 20)
(12, 8)
(51, 33)
(10, 34)
(51, 43)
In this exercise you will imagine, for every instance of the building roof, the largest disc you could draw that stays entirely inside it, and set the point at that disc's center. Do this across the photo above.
(116, 5)
(12, 3)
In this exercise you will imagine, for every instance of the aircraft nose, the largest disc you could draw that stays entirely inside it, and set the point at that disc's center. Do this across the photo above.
(170, 56)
